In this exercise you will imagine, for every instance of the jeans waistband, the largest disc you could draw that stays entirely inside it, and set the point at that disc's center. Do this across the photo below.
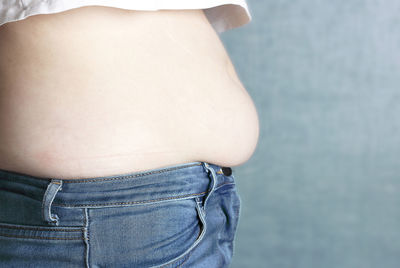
(157, 185)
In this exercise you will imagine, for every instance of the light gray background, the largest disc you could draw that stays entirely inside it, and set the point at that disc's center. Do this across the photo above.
(322, 188)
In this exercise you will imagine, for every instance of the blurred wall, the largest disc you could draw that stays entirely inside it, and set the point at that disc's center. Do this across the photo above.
(322, 189)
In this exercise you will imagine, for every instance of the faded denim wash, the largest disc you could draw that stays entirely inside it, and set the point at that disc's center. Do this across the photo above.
(184, 215)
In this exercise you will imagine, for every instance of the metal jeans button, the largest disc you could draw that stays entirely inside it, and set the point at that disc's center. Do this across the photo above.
(227, 171)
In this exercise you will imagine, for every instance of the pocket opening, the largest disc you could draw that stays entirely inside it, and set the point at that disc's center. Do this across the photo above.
(203, 226)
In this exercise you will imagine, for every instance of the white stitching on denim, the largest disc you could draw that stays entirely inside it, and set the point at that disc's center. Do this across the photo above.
(141, 202)
(39, 237)
(86, 237)
(213, 177)
(44, 200)
(55, 219)
(199, 239)
(181, 265)
(131, 176)
(39, 228)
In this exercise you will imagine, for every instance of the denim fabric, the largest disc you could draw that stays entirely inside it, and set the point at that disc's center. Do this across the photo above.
(184, 215)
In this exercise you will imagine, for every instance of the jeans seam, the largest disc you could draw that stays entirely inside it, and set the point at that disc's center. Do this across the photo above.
(187, 257)
(54, 229)
(184, 258)
(39, 237)
(48, 200)
(198, 240)
(86, 237)
(44, 201)
(140, 202)
(128, 177)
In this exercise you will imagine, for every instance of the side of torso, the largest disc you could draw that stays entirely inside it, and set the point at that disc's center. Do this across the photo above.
(102, 91)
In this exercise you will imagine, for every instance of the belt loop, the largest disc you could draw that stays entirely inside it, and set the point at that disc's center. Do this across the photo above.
(213, 177)
(51, 191)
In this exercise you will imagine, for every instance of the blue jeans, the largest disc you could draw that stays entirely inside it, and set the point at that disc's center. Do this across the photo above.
(178, 216)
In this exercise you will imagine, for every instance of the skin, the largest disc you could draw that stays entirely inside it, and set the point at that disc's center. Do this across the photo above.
(98, 91)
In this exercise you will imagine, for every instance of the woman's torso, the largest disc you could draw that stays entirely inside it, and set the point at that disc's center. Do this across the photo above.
(98, 91)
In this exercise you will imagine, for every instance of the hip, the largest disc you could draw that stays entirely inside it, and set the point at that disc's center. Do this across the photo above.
(183, 215)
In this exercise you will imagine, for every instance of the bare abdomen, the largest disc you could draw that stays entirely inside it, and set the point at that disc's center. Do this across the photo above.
(99, 91)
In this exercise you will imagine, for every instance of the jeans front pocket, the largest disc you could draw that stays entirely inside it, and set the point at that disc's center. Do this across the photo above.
(159, 234)
(222, 216)
(41, 246)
